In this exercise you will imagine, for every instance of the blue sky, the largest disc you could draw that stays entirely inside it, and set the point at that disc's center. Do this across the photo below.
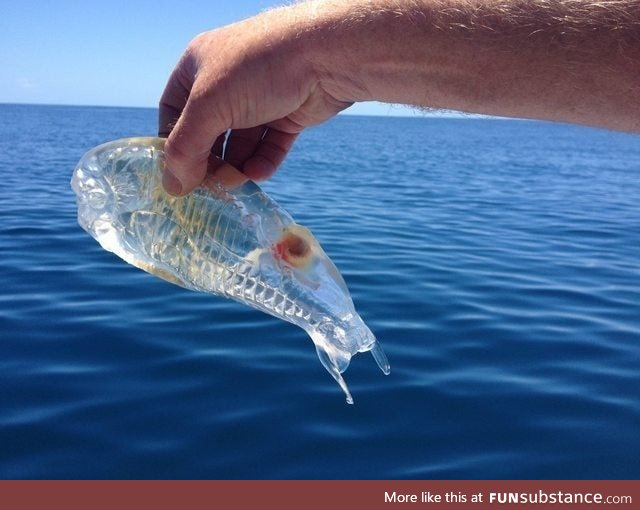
(112, 53)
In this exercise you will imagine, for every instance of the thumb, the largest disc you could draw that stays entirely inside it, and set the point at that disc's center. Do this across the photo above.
(189, 144)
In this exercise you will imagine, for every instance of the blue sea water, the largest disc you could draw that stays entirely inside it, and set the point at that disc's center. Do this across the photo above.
(497, 261)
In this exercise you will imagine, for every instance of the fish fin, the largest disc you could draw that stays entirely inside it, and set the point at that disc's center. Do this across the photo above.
(381, 358)
(332, 368)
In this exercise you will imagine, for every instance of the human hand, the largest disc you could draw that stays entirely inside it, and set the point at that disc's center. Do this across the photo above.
(267, 78)
(253, 78)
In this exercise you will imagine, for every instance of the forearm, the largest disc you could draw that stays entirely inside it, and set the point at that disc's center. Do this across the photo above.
(572, 60)
(267, 78)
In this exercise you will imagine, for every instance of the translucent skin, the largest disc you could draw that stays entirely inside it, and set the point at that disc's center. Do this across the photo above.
(237, 243)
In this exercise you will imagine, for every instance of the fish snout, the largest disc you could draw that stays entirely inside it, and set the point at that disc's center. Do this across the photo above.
(337, 343)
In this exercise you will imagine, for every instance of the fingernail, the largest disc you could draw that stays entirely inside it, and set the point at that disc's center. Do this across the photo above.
(171, 183)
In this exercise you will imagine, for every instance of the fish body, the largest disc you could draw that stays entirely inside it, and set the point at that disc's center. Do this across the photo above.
(235, 242)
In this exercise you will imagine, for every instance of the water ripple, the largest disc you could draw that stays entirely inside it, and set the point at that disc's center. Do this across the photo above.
(495, 260)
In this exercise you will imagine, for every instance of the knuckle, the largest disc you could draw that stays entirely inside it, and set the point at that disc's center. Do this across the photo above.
(194, 45)
(176, 152)
(272, 150)
(181, 154)
(184, 150)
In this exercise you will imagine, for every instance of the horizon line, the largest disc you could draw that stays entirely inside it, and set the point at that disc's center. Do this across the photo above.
(417, 113)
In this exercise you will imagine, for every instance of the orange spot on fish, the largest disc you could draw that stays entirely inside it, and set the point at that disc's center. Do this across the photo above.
(293, 249)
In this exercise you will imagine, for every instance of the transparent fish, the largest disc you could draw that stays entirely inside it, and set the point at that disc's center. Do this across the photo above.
(235, 242)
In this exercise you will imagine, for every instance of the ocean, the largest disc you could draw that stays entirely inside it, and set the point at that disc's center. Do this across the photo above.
(497, 261)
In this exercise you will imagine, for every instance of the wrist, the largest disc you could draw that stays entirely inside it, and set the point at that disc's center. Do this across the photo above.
(329, 47)
(358, 50)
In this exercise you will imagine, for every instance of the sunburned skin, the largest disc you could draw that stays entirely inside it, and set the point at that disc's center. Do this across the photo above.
(232, 240)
